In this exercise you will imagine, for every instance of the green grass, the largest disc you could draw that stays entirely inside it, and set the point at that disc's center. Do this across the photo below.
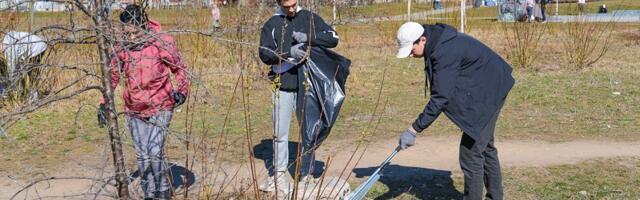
(592, 7)
(482, 13)
(598, 179)
(375, 10)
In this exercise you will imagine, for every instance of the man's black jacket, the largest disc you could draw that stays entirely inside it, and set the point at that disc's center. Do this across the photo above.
(468, 81)
(276, 36)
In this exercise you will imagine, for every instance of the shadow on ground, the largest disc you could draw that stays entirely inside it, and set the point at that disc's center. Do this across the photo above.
(178, 176)
(264, 152)
(422, 183)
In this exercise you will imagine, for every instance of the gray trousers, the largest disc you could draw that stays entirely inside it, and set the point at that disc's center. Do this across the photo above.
(284, 106)
(148, 136)
(480, 165)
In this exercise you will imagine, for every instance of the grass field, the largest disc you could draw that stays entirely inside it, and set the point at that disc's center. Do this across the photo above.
(551, 102)
(391, 9)
(598, 179)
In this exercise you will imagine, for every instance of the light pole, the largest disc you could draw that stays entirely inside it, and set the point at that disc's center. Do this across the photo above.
(557, 7)
(408, 10)
(462, 10)
(334, 11)
(31, 15)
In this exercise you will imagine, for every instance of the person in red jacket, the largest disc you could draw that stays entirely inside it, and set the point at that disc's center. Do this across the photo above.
(146, 59)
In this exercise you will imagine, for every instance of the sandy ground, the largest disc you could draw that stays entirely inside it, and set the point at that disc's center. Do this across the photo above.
(430, 155)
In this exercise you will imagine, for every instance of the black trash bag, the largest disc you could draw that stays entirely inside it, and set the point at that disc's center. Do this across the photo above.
(321, 94)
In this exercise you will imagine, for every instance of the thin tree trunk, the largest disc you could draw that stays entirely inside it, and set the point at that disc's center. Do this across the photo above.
(33, 5)
(102, 17)
(334, 12)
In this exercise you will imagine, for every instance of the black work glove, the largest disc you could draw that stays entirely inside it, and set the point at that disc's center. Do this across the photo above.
(407, 139)
(178, 98)
(102, 115)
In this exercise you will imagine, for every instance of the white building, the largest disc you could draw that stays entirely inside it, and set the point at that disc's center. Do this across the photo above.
(25, 5)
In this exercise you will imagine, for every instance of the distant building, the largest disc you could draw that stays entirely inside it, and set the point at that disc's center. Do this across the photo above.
(39, 6)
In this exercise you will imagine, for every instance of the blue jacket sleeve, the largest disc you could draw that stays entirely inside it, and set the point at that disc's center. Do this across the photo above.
(445, 72)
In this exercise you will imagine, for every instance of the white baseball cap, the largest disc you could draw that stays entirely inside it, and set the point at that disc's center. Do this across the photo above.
(407, 34)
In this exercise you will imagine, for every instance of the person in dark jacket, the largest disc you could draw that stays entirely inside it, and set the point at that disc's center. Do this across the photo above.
(543, 9)
(603, 9)
(283, 43)
(469, 82)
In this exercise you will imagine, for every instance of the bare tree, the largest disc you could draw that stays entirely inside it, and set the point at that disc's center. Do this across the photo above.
(585, 43)
(99, 31)
(523, 42)
(102, 21)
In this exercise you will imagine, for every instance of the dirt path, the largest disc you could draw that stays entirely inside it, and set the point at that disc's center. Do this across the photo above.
(623, 16)
(414, 16)
(435, 154)
(442, 152)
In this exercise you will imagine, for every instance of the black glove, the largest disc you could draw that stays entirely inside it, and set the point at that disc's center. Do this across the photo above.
(178, 98)
(407, 139)
(102, 115)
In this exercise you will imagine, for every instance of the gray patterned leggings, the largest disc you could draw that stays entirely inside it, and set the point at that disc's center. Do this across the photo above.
(148, 136)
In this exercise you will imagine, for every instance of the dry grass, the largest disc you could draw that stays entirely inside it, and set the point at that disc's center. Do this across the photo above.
(585, 43)
(600, 179)
(615, 178)
(524, 43)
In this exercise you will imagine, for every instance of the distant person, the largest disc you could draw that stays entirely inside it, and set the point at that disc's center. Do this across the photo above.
(581, 6)
(603, 9)
(470, 86)
(531, 4)
(543, 9)
(21, 50)
(215, 16)
(477, 3)
(437, 4)
(146, 59)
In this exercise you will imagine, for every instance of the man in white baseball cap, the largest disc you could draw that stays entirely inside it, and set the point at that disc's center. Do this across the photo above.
(408, 35)
(469, 83)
